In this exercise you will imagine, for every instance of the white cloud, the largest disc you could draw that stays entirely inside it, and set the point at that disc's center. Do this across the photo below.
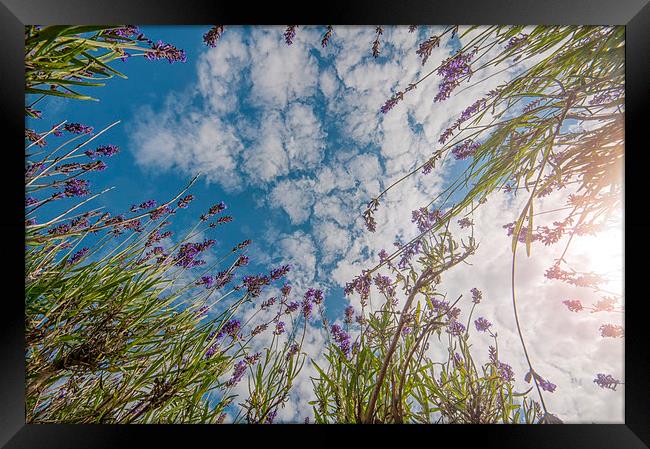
(321, 163)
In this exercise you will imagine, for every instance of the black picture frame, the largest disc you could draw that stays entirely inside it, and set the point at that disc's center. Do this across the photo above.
(634, 14)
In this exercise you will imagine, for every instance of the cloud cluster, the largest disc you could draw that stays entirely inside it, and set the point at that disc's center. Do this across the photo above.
(301, 125)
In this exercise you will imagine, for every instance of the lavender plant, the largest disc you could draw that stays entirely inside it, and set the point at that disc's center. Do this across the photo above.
(124, 322)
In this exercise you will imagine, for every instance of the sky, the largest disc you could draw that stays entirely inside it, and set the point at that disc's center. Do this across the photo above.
(292, 140)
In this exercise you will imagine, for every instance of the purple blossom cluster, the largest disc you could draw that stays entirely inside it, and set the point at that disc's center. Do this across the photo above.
(290, 34)
(375, 45)
(349, 314)
(424, 219)
(143, 206)
(465, 149)
(426, 47)
(574, 305)
(453, 70)
(361, 285)
(125, 31)
(255, 284)
(188, 252)
(76, 257)
(155, 236)
(212, 36)
(238, 372)
(268, 303)
(482, 325)
(504, 370)
(76, 187)
(293, 350)
(280, 272)
(214, 210)
(477, 295)
(279, 328)
(231, 328)
(78, 128)
(206, 280)
(611, 331)
(326, 36)
(314, 295)
(104, 150)
(185, 201)
(455, 328)
(342, 339)
(159, 212)
(408, 252)
(607, 381)
(385, 285)
(574, 278)
(161, 50)
(516, 41)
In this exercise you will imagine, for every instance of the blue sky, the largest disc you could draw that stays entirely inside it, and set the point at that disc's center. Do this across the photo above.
(292, 140)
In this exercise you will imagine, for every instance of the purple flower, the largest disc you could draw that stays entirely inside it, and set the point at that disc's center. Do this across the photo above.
(30, 200)
(76, 187)
(392, 101)
(157, 213)
(349, 314)
(212, 36)
(290, 34)
(286, 289)
(314, 295)
(574, 305)
(280, 272)
(516, 41)
(360, 284)
(424, 219)
(341, 338)
(307, 307)
(242, 261)
(465, 223)
(160, 50)
(426, 47)
(293, 350)
(238, 373)
(455, 328)
(78, 128)
(255, 284)
(76, 257)
(504, 370)
(125, 31)
(326, 36)
(427, 167)
(184, 202)
(476, 295)
(385, 285)
(409, 251)
(208, 281)
(230, 328)
(452, 70)
(482, 324)
(146, 205)
(271, 416)
(104, 150)
(279, 328)
(607, 381)
(187, 253)
(547, 385)
(465, 149)
(202, 311)
(292, 306)
(268, 303)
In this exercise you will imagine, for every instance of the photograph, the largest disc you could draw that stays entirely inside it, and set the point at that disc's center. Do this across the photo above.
(324, 224)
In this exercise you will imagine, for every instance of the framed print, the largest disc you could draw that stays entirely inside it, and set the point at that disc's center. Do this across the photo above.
(414, 215)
